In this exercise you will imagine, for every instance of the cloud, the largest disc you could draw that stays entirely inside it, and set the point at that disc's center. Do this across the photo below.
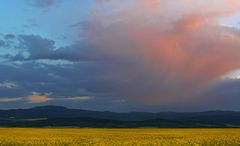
(10, 99)
(80, 98)
(119, 101)
(163, 55)
(234, 75)
(144, 54)
(2, 43)
(38, 98)
(35, 47)
(42, 3)
(9, 36)
(8, 85)
(34, 97)
(64, 81)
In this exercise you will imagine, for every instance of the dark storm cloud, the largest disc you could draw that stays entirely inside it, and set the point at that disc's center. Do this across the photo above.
(34, 77)
(223, 96)
(71, 81)
(35, 47)
(67, 85)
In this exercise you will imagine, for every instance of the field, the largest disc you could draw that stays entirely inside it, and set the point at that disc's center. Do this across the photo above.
(117, 137)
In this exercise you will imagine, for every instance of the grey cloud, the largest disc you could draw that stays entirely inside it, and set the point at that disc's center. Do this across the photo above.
(35, 47)
(9, 36)
(2, 43)
(96, 80)
(8, 84)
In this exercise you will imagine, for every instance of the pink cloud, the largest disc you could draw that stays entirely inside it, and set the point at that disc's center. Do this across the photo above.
(177, 48)
(38, 98)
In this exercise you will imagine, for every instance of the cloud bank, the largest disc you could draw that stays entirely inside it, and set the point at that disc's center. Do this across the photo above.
(165, 51)
(145, 55)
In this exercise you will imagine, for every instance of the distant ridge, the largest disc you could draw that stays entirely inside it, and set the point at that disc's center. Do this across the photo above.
(59, 116)
(49, 107)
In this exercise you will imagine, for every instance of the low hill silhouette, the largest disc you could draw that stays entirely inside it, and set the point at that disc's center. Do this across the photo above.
(58, 116)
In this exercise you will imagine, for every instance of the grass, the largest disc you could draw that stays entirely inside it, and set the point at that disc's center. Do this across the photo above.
(117, 137)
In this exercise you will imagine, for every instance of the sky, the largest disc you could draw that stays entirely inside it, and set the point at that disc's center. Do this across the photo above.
(128, 55)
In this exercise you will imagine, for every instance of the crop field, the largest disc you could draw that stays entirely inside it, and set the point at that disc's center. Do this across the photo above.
(117, 137)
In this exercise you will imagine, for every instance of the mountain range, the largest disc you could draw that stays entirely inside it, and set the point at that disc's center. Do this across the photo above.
(58, 116)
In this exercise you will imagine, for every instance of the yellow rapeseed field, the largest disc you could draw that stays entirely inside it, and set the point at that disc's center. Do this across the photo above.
(118, 137)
